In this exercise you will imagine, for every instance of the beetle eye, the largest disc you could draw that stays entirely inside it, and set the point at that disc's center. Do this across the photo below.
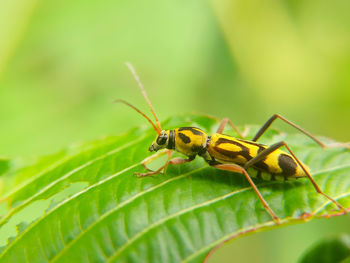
(161, 139)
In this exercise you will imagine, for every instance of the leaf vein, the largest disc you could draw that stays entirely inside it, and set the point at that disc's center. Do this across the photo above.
(67, 175)
(46, 170)
(64, 202)
(229, 237)
(147, 229)
(122, 204)
(167, 218)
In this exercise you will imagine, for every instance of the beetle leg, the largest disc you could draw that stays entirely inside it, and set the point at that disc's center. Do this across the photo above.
(224, 122)
(274, 147)
(239, 169)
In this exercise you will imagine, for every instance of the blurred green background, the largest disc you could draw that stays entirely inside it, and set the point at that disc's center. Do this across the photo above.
(62, 64)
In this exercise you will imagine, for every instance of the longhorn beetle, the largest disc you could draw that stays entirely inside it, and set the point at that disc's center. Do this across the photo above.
(229, 153)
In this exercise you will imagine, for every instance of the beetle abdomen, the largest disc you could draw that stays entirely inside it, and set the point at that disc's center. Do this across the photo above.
(227, 149)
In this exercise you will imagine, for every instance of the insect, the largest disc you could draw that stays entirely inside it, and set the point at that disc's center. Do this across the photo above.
(229, 153)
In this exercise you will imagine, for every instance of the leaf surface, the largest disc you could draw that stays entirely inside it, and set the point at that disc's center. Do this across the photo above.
(84, 204)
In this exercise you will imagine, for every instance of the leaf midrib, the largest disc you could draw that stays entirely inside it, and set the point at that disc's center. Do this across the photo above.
(191, 208)
(116, 209)
(111, 152)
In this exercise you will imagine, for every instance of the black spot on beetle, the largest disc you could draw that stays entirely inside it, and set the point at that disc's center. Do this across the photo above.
(287, 164)
(243, 152)
(184, 138)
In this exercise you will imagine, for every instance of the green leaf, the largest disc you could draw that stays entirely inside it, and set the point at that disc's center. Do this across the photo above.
(330, 250)
(86, 204)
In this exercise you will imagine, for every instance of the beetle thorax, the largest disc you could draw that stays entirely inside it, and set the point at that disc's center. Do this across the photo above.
(190, 140)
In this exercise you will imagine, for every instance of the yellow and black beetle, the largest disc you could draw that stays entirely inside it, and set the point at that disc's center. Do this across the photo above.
(229, 153)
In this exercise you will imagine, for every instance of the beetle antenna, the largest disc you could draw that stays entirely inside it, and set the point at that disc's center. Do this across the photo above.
(143, 91)
(139, 111)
